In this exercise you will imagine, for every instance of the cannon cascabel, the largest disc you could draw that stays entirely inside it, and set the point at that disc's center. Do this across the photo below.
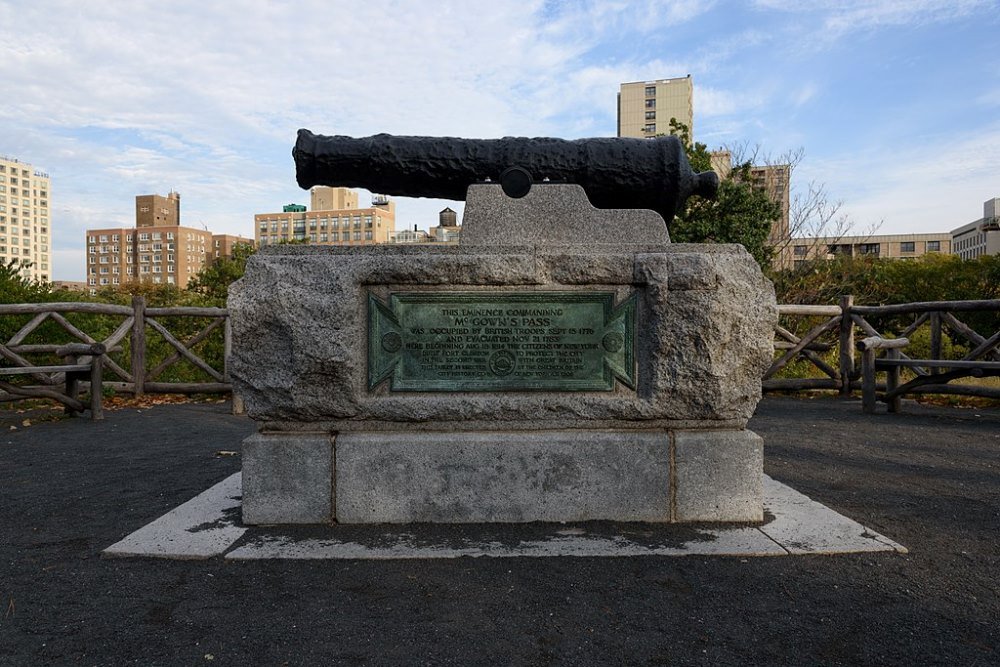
(614, 172)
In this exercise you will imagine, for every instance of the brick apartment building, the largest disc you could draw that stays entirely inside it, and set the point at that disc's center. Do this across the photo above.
(158, 250)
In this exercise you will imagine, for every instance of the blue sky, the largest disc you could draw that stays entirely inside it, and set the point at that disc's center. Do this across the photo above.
(895, 105)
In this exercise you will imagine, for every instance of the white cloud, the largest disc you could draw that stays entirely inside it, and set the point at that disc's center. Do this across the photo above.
(927, 186)
(116, 100)
(826, 21)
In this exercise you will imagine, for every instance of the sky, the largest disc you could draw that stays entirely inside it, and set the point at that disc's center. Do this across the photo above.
(894, 105)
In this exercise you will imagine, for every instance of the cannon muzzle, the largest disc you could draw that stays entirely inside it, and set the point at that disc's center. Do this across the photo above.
(614, 172)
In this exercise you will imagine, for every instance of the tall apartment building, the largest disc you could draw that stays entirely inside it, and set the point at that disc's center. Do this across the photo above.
(343, 224)
(158, 250)
(646, 107)
(24, 218)
(774, 180)
(979, 237)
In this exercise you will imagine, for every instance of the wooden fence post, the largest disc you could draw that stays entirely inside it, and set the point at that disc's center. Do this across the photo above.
(892, 380)
(139, 345)
(868, 399)
(935, 318)
(846, 344)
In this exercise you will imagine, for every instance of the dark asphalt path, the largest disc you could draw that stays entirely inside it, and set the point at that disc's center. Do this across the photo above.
(928, 478)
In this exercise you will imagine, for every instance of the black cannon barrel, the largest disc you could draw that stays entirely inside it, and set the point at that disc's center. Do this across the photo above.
(614, 172)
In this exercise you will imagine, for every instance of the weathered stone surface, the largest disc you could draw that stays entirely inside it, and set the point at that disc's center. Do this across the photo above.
(502, 477)
(493, 219)
(718, 476)
(287, 478)
(299, 326)
(704, 318)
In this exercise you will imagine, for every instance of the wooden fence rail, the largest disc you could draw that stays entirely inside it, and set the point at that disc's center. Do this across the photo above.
(834, 330)
(138, 322)
(939, 317)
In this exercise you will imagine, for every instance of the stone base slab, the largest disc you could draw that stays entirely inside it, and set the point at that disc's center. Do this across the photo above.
(205, 527)
(503, 477)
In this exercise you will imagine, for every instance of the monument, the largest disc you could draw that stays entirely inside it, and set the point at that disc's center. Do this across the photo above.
(562, 363)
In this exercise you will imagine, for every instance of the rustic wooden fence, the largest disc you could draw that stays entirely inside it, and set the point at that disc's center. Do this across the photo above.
(126, 333)
(835, 332)
(827, 344)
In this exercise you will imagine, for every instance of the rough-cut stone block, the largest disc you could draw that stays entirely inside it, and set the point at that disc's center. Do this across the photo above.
(287, 478)
(703, 344)
(718, 476)
(502, 477)
(492, 218)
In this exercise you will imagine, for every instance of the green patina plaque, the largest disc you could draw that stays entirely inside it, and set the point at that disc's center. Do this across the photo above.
(499, 341)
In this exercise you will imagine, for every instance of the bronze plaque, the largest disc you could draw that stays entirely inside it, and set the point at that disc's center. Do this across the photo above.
(501, 341)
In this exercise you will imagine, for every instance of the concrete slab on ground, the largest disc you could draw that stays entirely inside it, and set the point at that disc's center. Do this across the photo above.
(208, 526)
(205, 526)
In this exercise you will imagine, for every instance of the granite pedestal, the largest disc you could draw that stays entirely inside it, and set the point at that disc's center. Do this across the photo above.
(658, 435)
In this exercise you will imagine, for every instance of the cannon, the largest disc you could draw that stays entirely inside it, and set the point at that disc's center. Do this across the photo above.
(614, 172)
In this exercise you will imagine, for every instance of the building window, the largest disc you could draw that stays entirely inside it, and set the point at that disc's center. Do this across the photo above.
(933, 246)
(799, 250)
(869, 248)
(651, 104)
(650, 115)
(650, 128)
(650, 91)
(907, 246)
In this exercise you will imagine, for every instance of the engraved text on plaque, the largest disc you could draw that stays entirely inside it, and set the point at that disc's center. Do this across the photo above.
(496, 341)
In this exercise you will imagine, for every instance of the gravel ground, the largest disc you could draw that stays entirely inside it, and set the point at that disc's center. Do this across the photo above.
(928, 478)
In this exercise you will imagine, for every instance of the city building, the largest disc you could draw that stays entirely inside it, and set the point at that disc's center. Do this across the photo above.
(71, 285)
(158, 249)
(224, 245)
(884, 246)
(646, 107)
(979, 237)
(411, 236)
(773, 179)
(448, 230)
(333, 219)
(25, 224)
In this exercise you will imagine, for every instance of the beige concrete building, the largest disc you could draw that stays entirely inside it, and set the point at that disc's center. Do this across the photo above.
(774, 180)
(884, 246)
(646, 107)
(345, 225)
(979, 237)
(157, 250)
(25, 225)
